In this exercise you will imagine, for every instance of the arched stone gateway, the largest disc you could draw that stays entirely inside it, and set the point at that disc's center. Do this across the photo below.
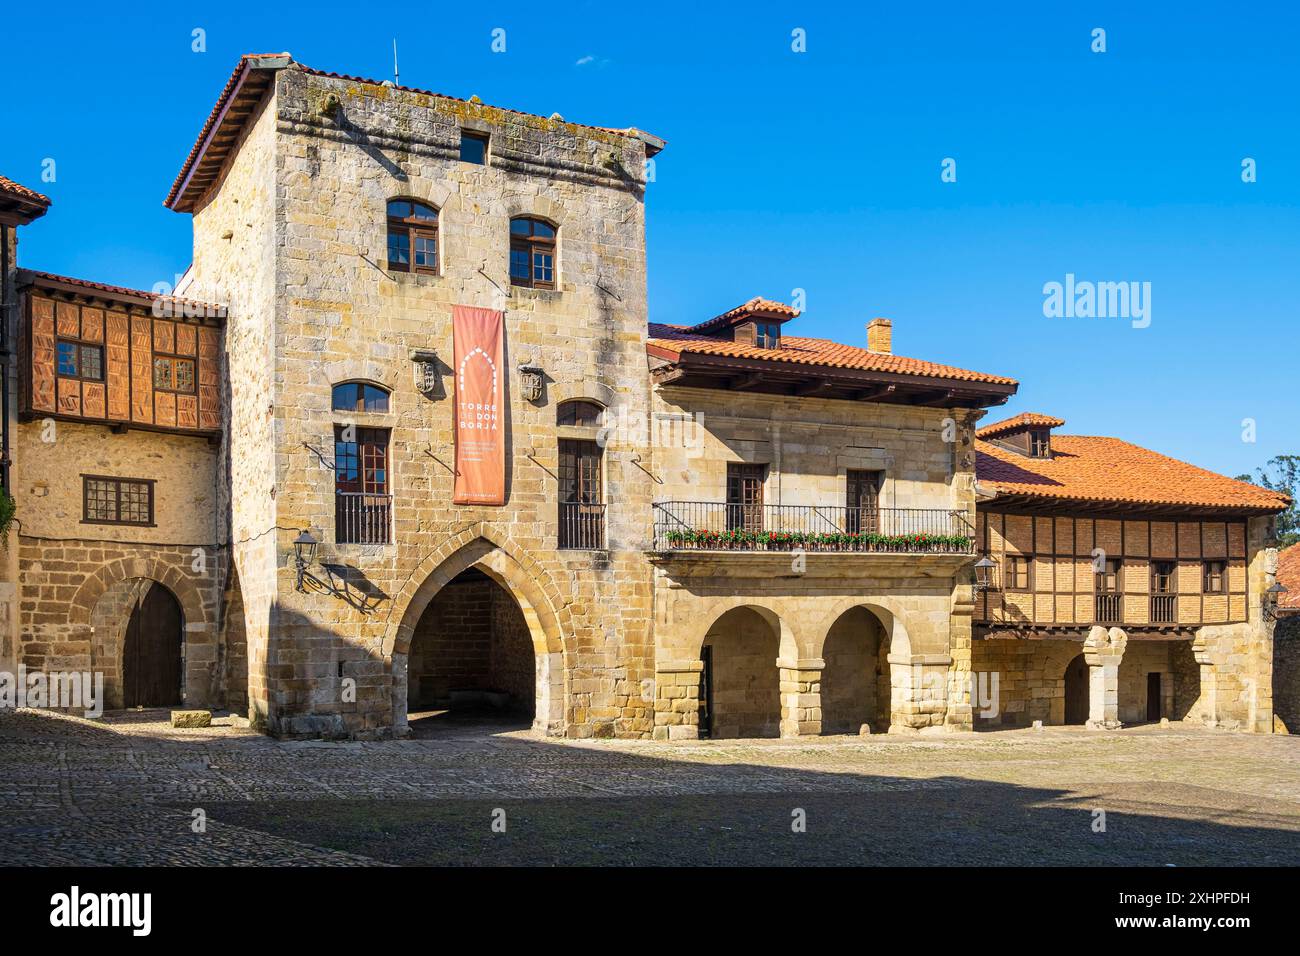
(855, 681)
(481, 663)
(740, 685)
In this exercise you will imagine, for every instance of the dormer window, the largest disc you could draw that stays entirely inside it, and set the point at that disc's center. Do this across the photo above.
(1040, 443)
(767, 335)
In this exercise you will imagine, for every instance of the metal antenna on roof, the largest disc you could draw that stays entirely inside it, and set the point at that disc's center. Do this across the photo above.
(397, 81)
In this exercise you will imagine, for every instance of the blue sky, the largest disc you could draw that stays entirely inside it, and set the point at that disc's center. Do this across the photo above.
(817, 171)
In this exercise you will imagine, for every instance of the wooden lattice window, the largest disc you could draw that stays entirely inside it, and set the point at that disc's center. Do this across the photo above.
(108, 500)
(173, 373)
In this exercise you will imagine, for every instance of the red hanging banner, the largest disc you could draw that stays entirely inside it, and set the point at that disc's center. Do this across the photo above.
(480, 400)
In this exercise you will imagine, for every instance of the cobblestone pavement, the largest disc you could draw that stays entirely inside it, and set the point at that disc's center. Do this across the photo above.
(124, 791)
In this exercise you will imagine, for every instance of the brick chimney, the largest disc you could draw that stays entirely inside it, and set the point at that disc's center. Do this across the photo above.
(879, 333)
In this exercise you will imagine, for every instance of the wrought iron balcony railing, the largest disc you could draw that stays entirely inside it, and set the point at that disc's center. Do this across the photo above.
(362, 518)
(582, 526)
(719, 526)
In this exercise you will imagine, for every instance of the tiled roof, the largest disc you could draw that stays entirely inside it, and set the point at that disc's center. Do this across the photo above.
(50, 279)
(1288, 575)
(1019, 423)
(669, 341)
(1097, 470)
(756, 305)
(218, 118)
(21, 203)
(22, 192)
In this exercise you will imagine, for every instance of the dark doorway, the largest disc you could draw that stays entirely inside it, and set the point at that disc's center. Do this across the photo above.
(471, 659)
(1076, 691)
(151, 654)
(1155, 702)
(706, 692)
(745, 496)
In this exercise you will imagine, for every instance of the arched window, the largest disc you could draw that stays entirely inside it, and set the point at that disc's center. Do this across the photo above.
(412, 237)
(360, 397)
(579, 412)
(532, 253)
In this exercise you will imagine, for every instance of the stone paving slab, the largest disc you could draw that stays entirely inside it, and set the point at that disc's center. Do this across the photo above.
(120, 791)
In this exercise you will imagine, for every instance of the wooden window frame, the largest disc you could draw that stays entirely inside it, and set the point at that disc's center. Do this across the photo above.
(360, 405)
(117, 482)
(1040, 443)
(1171, 579)
(1207, 576)
(741, 514)
(531, 244)
(363, 463)
(173, 358)
(578, 408)
(767, 335)
(1118, 574)
(853, 511)
(413, 227)
(1009, 575)
(81, 344)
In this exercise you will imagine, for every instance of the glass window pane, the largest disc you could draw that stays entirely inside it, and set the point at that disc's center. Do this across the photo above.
(425, 252)
(92, 362)
(67, 352)
(519, 263)
(421, 211)
(376, 399)
(162, 373)
(473, 149)
(399, 248)
(542, 229)
(519, 226)
(399, 209)
(184, 375)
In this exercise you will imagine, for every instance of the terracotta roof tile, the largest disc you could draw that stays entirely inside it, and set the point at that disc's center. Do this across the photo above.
(22, 192)
(756, 305)
(47, 278)
(1019, 423)
(674, 340)
(1098, 470)
(1288, 575)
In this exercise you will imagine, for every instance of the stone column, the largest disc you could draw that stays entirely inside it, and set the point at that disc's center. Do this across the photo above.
(1206, 708)
(1103, 650)
(801, 696)
(677, 700)
(918, 692)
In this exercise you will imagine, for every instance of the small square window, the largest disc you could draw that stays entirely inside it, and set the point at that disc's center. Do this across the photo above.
(473, 148)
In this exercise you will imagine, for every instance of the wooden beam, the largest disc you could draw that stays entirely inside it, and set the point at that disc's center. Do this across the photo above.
(746, 381)
(879, 392)
(935, 398)
(819, 387)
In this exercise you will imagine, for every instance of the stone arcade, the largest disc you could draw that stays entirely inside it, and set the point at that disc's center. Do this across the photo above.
(241, 495)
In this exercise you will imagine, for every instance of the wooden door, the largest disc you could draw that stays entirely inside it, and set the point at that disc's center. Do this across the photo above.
(862, 501)
(745, 496)
(1155, 704)
(1076, 691)
(151, 656)
(582, 514)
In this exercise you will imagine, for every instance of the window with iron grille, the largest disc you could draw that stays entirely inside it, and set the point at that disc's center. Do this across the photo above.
(532, 253)
(412, 237)
(83, 360)
(116, 500)
(173, 373)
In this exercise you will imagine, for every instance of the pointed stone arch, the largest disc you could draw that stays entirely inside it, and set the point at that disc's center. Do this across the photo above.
(523, 578)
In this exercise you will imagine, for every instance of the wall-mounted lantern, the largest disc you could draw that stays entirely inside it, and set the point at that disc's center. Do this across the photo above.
(530, 382)
(984, 573)
(304, 552)
(1271, 596)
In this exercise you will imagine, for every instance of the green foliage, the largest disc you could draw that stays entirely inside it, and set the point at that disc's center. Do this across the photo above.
(1282, 474)
(738, 539)
(7, 508)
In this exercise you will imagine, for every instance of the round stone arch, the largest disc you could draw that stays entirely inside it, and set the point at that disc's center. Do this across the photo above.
(890, 618)
(790, 643)
(383, 374)
(178, 582)
(523, 579)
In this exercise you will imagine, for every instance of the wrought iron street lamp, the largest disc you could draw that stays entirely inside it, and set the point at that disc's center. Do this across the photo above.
(1271, 596)
(304, 552)
(983, 573)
